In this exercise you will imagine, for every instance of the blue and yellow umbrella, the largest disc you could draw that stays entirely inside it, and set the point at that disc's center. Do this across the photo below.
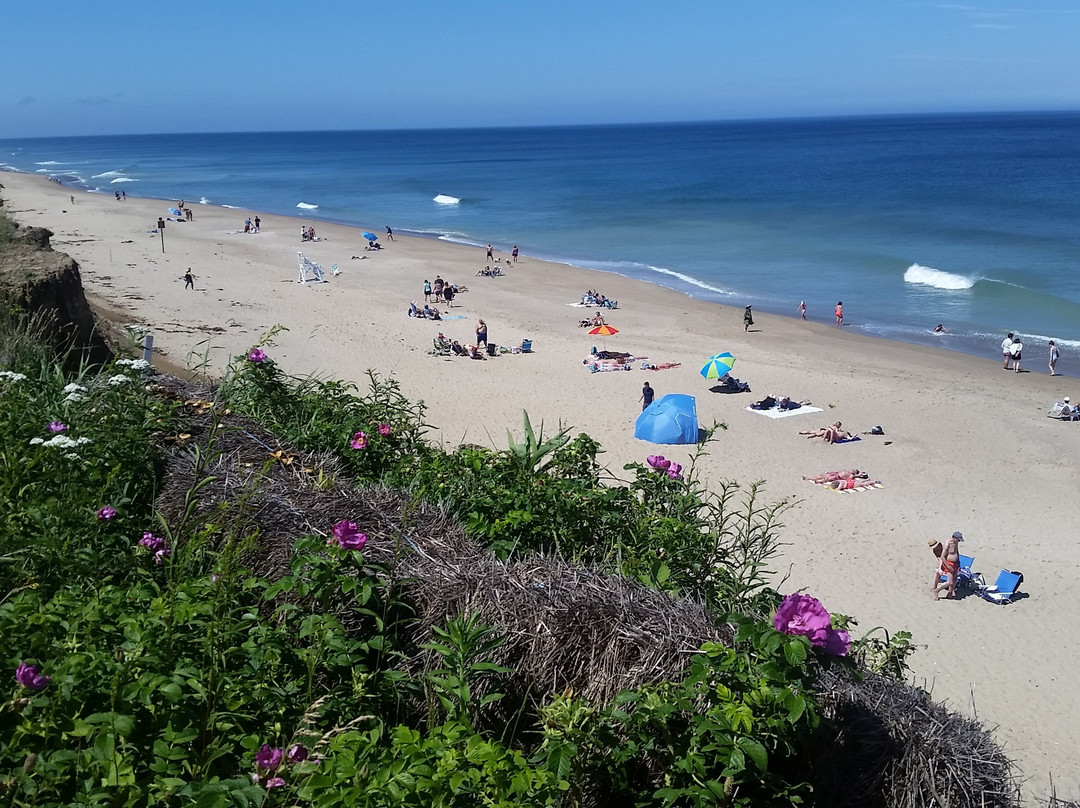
(718, 366)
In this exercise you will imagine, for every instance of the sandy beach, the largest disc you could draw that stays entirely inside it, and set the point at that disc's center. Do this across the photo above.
(966, 447)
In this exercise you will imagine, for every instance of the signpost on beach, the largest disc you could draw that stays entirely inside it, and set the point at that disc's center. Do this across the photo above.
(161, 229)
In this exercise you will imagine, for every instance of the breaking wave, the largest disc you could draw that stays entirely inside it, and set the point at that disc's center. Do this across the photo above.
(123, 179)
(306, 206)
(939, 279)
(444, 199)
(107, 174)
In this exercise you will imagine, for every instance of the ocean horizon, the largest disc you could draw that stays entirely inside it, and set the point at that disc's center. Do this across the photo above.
(911, 220)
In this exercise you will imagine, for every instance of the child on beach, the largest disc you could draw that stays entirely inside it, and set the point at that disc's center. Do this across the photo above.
(189, 280)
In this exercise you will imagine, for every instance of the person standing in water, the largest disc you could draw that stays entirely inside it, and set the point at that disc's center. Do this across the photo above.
(1054, 354)
(802, 309)
(839, 313)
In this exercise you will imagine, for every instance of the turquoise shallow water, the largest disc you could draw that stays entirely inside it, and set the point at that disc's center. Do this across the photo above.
(969, 220)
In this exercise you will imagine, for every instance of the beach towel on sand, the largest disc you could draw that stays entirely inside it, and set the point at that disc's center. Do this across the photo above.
(865, 487)
(775, 413)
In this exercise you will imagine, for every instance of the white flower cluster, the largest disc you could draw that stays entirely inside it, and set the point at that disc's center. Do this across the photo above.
(75, 392)
(118, 380)
(135, 364)
(11, 376)
(60, 442)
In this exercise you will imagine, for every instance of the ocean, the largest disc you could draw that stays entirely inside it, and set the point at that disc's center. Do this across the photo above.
(972, 221)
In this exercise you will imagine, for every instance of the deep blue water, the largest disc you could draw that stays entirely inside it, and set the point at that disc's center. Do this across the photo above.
(972, 221)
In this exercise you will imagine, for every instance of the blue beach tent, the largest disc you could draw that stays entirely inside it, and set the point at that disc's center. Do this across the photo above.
(671, 419)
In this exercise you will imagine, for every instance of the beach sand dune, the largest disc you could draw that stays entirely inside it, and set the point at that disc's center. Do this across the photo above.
(969, 447)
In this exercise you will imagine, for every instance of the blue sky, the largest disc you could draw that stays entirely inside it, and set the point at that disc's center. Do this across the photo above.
(196, 66)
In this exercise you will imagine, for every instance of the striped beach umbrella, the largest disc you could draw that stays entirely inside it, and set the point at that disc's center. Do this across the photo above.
(718, 366)
(604, 330)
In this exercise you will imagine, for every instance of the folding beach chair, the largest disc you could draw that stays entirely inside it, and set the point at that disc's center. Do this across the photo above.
(1004, 589)
(310, 272)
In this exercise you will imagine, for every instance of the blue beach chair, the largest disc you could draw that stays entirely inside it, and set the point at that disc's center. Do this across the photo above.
(1004, 589)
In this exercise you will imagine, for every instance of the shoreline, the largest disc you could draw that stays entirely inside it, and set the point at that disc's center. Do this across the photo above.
(968, 446)
(977, 345)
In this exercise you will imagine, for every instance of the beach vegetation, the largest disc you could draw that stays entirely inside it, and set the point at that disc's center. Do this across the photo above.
(197, 607)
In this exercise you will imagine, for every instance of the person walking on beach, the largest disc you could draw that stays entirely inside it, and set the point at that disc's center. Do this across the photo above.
(448, 295)
(747, 319)
(427, 290)
(389, 233)
(1054, 354)
(1016, 350)
(481, 333)
(839, 313)
(189, 280)
(802, 309)
(489, 253)
(437, 290)
(123, 195)
(258, 224)
(1006, 354)
(647, 394)
(513, 254)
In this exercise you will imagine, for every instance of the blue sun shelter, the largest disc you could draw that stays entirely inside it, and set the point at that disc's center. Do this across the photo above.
(671, 419)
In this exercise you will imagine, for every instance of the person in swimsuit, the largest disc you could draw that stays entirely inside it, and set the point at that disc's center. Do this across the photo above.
(802, 309)
(839, 313)
(514, 254)
(950, 566)
(481, 333)
(847, 485)
(1054, 354)
(833, 476)
(831, 434)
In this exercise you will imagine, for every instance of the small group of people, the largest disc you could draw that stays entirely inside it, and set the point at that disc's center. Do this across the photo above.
(594, 298)
(830, 434)
(490, 272)
(779, 402)
(442, 343)
(426, 313)
(1012, 351)
(947, 554)
(307, 233)
(252, 226)
(843, 480)
(121, 196)
(491, 255)
(441, 290)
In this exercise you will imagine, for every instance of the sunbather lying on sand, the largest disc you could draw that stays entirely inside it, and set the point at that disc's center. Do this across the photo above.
(831, 434)
(848, 485)
(833, 476)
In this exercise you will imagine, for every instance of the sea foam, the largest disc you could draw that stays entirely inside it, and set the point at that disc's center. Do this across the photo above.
(444, 199)
(107, 174)
(306, 206)
(204, 201)
(48, 163)
(689, 279)
(123, 179)
(928, 276)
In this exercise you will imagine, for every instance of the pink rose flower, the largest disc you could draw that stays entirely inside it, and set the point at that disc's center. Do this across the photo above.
(257, 356)
(348, 536)
(804, 615)
(359, 441)
(384, 429)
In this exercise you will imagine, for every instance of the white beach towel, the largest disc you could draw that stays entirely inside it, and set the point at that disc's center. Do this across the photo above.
(775, 413)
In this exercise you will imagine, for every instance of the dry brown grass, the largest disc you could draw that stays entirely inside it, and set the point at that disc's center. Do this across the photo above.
(566, 627)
